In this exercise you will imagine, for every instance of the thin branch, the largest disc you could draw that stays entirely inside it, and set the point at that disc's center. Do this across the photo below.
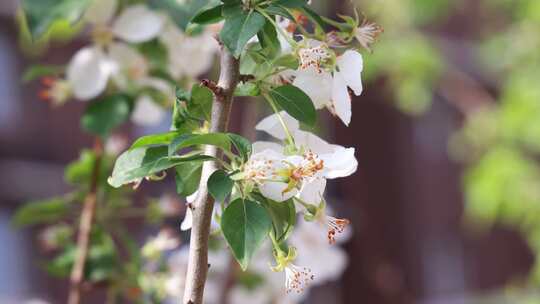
(85, 228)
(204, 204)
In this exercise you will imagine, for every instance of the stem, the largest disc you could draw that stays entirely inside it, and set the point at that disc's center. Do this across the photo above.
(290, 138)
(204, 204)
(85, 228)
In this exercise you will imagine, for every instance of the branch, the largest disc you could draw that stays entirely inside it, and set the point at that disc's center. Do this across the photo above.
(204, 204)
(85, 227)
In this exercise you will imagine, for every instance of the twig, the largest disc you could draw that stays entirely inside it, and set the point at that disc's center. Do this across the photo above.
(204, 204)
(85, 228)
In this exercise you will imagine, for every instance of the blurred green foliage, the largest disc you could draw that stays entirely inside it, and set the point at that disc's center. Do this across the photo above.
(500, 140)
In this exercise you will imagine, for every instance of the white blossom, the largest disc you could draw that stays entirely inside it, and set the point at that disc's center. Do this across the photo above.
(329, 87)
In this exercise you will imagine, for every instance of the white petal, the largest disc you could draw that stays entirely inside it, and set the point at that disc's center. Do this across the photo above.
(138, 24)
(317, 86)
(274, 191)
(313, 191)
(340, 163)
(147, 112)
(341, 100)
(100, 12)
(188, 220)
(312, 142)
(272, 125)
(189, 55)
(88, 72)
(260, 146)
(350, 66)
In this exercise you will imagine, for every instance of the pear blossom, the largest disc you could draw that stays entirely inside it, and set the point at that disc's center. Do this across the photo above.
(337, 160)
(326, 83)
(92, 66)
(189, 55)
(279, 177)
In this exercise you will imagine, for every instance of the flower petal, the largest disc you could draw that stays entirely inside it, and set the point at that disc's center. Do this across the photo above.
(260, 146)
(188, 220)
(350, 66)
(312, 142)
(272, 125)
(138, 24)
(88, 72)
(275, 191)
(341, 101)
(100, 12)
(147, 112)
(313, 191)
(318, 86)
(340, 163)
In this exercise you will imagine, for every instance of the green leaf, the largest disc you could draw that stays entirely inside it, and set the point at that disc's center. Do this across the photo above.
(80, 170)
(103, 115)
(138, 163)
(288, 61)
(242, 145)
(40, 70)
(42, 14)
(245, 224)
(200, 102)
(220, 185)
(283, 218)
(247, 89)
(181, 12)
(40, 212)
(187, 140)
(314, 17)
(295, 102)
(290, 3)
(155, 139)
(209, 16)
(239, 28)
(269, 40)
(279, 10)
(187, 178)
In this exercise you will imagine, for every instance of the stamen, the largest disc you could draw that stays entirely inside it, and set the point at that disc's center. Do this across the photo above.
(335, 226)
(314, 57)
(297, 278)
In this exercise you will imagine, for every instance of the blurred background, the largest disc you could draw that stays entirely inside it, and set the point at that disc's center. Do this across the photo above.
(445, 205)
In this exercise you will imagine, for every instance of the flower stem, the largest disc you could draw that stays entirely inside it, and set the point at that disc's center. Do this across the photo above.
(290, 138)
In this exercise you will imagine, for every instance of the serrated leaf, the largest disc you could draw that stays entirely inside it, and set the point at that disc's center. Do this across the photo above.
(187, 178)
(40, 212)
(42, 14)
(103, 115)
(220, 185)
(155, 139)
(295, 102)
(239, 28)
(245, 225)
(138, 163)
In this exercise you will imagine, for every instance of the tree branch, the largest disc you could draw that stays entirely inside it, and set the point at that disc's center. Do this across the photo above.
(204, 204)
(85, 228)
